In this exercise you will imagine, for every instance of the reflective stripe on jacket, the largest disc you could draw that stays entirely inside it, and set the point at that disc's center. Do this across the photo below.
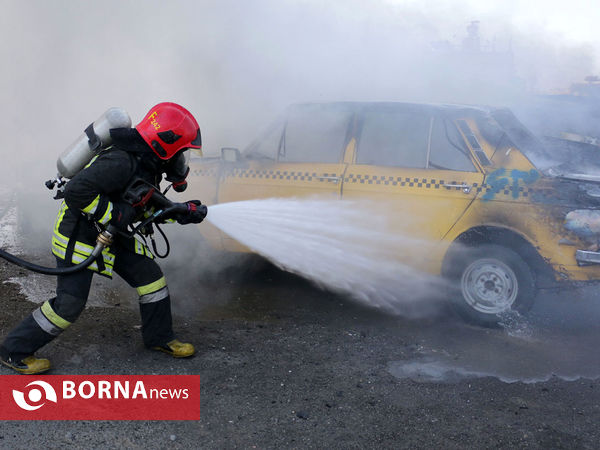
(89, 199)
(81, 250)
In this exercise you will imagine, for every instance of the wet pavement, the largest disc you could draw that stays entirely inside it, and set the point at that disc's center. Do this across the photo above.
(559, 337)
(285, 364)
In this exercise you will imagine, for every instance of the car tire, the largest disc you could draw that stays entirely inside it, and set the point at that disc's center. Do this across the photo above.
(489, 281)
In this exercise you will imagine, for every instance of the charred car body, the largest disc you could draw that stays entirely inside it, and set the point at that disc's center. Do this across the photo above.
(504, 217)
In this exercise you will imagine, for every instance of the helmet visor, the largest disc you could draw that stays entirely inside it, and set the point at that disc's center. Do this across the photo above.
(197, 142)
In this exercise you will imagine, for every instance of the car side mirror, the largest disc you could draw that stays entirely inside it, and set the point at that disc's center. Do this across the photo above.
(230, 154)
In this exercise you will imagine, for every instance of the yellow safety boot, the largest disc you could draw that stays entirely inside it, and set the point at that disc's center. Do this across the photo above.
(176, 349)
(27, 366)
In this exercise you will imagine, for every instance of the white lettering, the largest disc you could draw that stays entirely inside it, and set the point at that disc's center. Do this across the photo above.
(123, 389)
(117, 389)
(81, 390)
(139, 390)
(104, 389)
(175, 393)
(68, 389)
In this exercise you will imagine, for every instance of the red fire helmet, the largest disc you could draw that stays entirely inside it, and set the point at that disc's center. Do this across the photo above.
(168, 128)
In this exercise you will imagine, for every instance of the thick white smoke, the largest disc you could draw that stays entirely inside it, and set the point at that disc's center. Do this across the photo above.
(235, 65)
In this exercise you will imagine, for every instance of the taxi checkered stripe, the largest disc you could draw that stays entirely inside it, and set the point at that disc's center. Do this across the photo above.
(279, 175)
(204, 172)
(282, 175)
(522, 191)
(413, 182)
(429, 183)
(276, 175)
(395, 181)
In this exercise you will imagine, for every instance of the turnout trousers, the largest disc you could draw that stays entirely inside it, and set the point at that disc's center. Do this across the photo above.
(56, 314)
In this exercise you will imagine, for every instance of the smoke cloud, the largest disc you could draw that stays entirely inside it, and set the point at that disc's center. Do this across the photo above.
(235, 64)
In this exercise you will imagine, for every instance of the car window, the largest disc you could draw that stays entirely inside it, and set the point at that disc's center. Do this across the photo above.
(394, 138)
(314, 134)
(448, 150)
(267, 145)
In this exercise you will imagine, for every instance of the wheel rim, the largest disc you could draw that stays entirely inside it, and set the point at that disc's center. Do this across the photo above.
(489, 286)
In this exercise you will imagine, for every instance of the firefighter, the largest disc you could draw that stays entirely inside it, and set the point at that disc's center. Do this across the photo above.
(93, 200)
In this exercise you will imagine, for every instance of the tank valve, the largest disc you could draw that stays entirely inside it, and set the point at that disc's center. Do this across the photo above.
(58, 182)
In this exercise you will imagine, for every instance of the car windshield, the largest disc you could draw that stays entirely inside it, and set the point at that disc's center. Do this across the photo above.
(566, 129)
(526, 141)
(266, 146)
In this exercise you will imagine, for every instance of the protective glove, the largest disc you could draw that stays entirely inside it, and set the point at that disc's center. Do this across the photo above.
(196, 212)
(123, 214)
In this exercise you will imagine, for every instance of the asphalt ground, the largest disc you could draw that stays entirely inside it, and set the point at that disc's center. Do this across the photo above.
(284, 364)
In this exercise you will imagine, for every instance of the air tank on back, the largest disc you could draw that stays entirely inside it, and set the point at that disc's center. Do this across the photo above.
(89, 143)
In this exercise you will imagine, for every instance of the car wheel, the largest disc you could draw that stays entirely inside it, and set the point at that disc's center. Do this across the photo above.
(492, 280)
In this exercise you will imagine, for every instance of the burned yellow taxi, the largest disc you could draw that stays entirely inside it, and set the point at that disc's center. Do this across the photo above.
(507, 215)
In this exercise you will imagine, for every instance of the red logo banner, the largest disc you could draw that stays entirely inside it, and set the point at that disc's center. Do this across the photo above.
(100, 397)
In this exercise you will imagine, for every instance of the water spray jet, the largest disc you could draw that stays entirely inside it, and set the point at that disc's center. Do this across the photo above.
(344, 246)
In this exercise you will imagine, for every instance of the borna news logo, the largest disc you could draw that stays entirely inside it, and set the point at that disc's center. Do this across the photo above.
(35, 396)
(100, 397)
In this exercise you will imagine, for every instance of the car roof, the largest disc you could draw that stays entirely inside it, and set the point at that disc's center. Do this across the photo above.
(432, 108)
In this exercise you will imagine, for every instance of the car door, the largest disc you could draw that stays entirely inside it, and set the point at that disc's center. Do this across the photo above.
(414, 168)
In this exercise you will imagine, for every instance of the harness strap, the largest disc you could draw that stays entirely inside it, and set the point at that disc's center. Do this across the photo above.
(72, 242)
(94, 141)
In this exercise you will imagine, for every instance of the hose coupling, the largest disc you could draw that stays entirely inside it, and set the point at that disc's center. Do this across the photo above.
(105, 238)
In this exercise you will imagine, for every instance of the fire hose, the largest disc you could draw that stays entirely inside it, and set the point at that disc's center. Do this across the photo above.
(144, 193)
(104, 239)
